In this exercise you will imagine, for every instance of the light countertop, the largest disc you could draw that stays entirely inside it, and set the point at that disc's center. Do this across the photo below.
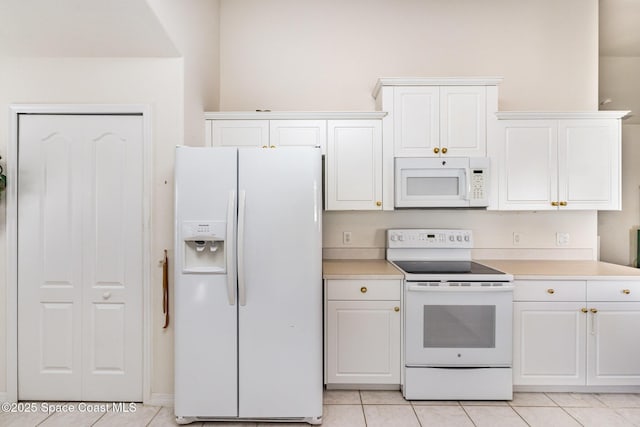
(577, 270)
(359, 269)
(520, 269)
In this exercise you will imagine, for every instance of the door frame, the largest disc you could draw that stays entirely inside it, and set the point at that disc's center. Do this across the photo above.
(15, 111)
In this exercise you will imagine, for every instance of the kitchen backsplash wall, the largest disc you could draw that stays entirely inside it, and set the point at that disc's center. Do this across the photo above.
(536, 232)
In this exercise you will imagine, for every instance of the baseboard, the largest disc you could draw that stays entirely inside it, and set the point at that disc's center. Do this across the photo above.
(160, 399)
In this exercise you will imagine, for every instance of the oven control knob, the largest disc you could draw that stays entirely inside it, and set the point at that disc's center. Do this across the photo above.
(466, 238)
(459, 238)
(401, 238)
(394, 237)
(452, 238)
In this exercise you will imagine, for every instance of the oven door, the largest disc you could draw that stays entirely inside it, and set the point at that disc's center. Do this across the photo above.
(449, 324)
(429, 182)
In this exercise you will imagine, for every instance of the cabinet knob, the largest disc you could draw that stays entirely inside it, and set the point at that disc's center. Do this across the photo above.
(626, 291)
(594, 310)
(378, 203)
(396, 309)
(583, 309)
(436, 150)
(363, 289)
(273, 146)
(563, 203)
(264, 146)
(106, 295)
(555, 203)
(551, 291)
(444, 150)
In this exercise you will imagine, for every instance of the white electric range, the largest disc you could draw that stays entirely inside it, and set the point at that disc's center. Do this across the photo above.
(457, 318)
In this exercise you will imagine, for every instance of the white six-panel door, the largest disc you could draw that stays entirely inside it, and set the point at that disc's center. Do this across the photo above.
(80, 231)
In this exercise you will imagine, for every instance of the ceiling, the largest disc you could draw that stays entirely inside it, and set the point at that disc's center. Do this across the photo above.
(82, 28)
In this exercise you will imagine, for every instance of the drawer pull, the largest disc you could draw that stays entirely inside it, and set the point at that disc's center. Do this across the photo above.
(551, 291)
(363, 289)
(626, 291)
(583, 309)
(396, 309)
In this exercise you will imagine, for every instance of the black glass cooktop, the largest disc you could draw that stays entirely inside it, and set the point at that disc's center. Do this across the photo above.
(445, 267)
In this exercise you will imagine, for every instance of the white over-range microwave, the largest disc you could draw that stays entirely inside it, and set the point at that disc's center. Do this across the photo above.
(436, 182)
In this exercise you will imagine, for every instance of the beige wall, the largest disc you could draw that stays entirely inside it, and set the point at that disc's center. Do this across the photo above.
(156, 82)
(617, 230)
(297, 55)
(327, 55)
(193, 26)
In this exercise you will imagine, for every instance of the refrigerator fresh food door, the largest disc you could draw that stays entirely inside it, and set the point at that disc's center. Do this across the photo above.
(205, 284)
(280, 323)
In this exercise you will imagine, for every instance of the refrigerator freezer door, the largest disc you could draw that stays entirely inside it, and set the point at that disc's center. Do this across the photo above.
(280, 327)
(206, 316)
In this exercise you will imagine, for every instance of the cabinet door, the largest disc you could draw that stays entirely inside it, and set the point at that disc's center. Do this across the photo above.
(240, 133)
(417, 121)
(589, 164)
(549, 343)
(354, 165)
(463, 117)
(363, 342)
(528, 165)
(613, 343)
(298, 133)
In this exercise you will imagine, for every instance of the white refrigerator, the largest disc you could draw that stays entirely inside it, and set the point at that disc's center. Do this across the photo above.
(248, 291)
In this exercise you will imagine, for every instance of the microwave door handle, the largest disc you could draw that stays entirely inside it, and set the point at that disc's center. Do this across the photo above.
(467, 177)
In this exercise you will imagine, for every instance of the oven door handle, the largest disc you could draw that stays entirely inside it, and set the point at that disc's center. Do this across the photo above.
(418, 288)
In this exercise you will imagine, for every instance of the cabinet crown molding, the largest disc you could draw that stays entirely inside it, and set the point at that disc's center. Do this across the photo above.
(559, 115)
(294, 115)
(434, 81)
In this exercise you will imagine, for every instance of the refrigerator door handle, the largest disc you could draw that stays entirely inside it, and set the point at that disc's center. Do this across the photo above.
(230, 250)
(242, 297)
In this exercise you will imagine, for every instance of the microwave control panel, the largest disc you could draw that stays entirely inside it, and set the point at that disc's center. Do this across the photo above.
(478, 184)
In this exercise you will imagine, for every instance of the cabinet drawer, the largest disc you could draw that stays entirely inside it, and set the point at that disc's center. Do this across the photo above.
(363, 290)
(613, 290)
(549, 290)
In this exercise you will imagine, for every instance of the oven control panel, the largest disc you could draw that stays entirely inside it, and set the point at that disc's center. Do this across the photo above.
(429, 238)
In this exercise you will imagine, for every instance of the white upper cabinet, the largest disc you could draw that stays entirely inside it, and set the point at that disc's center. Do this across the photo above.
(353, 174)
(240, 133)
(551, 161)
(440, 121)
(463, 121)
(294, 133)
(417, 124)
(438, 117)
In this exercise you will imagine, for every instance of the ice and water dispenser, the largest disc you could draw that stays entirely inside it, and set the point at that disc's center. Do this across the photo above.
(204, 246)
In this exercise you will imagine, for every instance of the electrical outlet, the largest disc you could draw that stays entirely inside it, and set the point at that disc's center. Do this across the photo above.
(517, 238)
(346, 237)
(562, 239)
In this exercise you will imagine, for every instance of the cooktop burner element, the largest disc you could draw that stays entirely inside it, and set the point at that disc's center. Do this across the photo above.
(438, 255)
(445, 267)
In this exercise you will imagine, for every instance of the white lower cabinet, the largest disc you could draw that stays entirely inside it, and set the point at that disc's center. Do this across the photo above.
(362, 333)
(576, 333)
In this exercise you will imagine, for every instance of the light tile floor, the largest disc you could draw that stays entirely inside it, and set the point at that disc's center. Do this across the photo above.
(384, 409)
